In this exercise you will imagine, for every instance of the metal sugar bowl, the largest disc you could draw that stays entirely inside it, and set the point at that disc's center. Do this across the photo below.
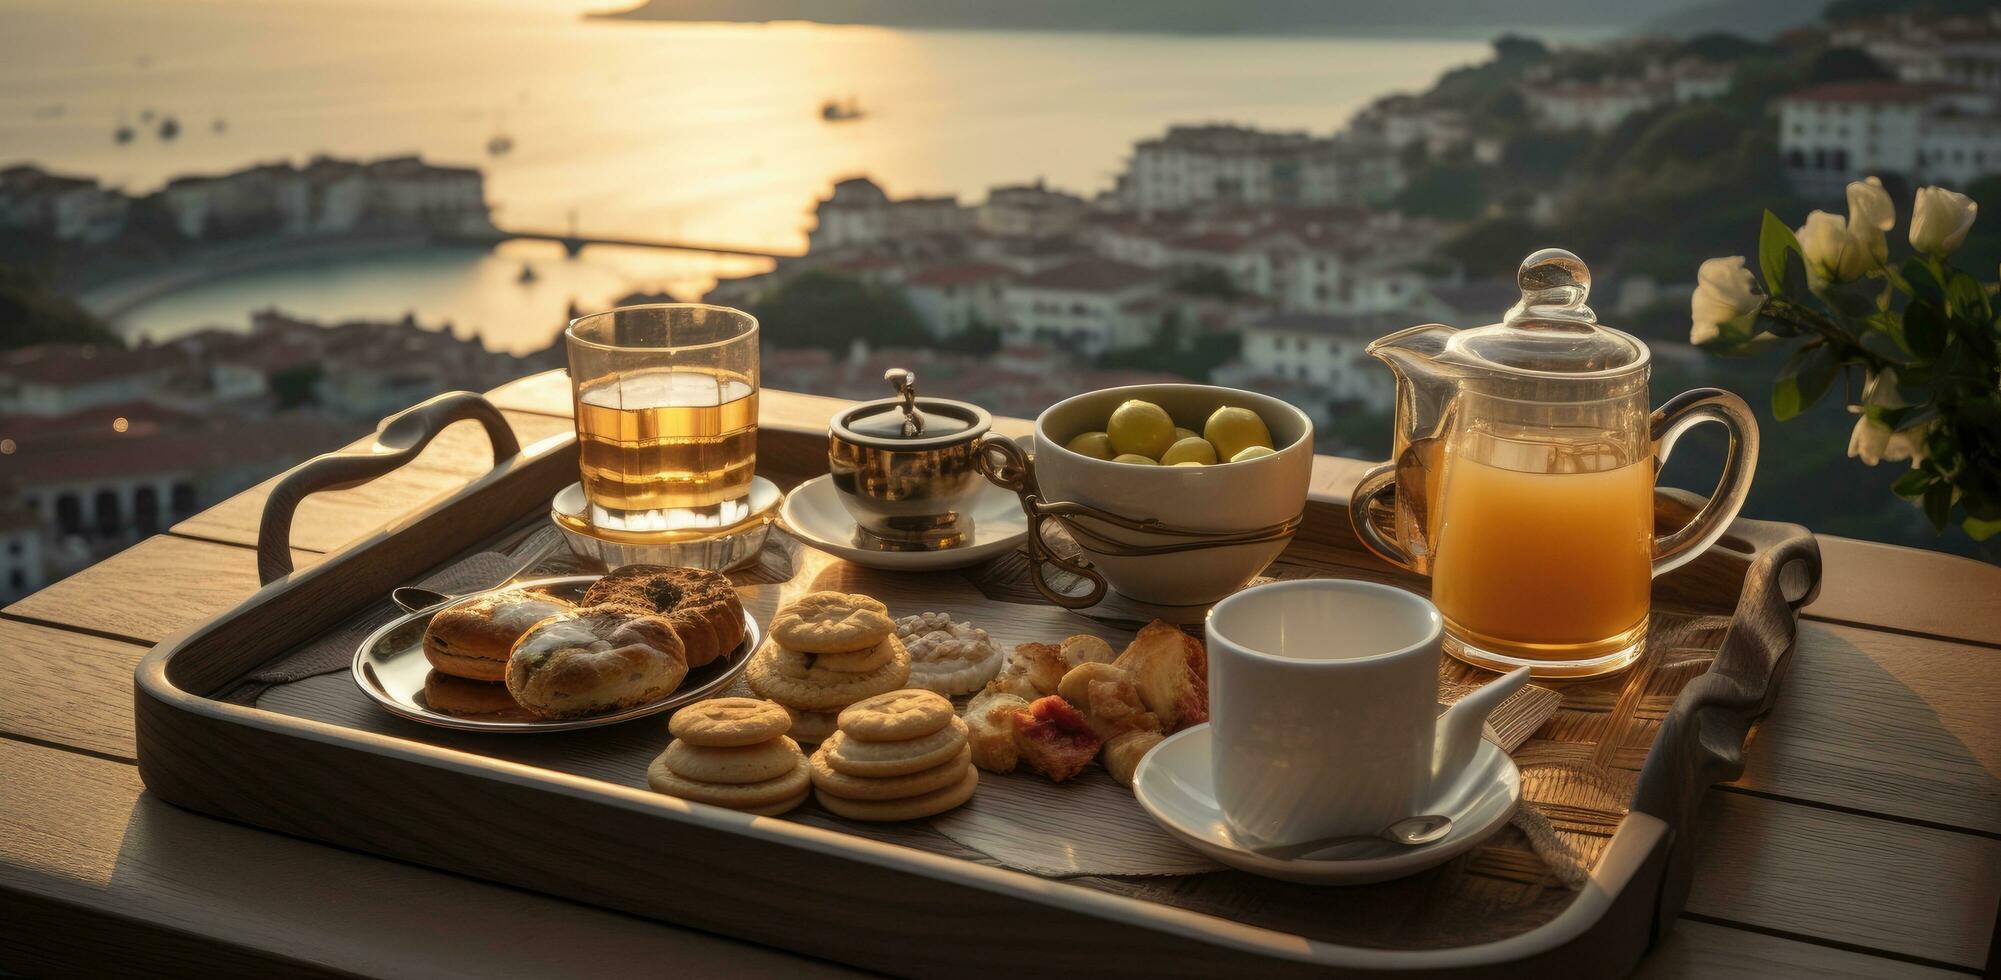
(906, 467)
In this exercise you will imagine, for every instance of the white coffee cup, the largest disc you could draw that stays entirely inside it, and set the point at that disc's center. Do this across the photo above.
(1324, 709)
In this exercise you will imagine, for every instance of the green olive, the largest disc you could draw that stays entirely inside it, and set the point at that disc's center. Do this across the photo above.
(1189, 462)
(1253, 452)
(1135, 459)
(1232, 430)
(1140, 427)
(1096, 445)
(1193, 449)
(1181, 433)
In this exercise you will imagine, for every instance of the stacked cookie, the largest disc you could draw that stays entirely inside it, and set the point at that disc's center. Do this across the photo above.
(896, 756)
(732, 752)
(827, 650)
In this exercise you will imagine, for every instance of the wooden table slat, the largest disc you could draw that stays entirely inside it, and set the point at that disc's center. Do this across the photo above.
(67, 688)
(152, 590)
(1846, 878)
(1880, 585)
(1715, 952)
(80, 832)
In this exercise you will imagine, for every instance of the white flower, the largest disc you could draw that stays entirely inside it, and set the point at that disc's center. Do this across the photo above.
(1870, 215)
(1832, 254)
(1881, 390)
(1908, 443)
(1725, 293)
(1940, 219)
(1868, 440)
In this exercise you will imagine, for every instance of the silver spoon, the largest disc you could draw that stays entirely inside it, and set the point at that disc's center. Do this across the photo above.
(1410, 832)
(416, 598)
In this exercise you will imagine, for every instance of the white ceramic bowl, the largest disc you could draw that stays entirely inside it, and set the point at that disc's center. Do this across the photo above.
(1225, 497)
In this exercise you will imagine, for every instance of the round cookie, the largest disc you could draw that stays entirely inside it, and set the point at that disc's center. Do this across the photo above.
(857, 661)
(898, 716)
(779, 674)
(740, 796)
(908, 808)
(813, 727)
(831, 622)
(875, 759)
(725, 722)
(829, 780)
(782, 806)
(947, 657)
(735, 765)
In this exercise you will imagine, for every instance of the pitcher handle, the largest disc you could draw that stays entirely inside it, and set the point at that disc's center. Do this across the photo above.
(1676, 416)
(1377, 482)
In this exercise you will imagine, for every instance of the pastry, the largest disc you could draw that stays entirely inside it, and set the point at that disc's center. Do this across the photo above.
(1122, 754)
(787, 677)
(734, 765)
(835, 782)
(472, 639)
(858, 758)
(702, 605)
(1168, 667)
(1041, 664)
(729, 722)
(1107, 698)
(595, 659)
(947, 657)
(909, 808)
(856, 661)
(990, 729)
(464, 698)
(898, 716)
(1084, 648)
(831, 622)
(1054, 739)
(813, 727)
(738, 796)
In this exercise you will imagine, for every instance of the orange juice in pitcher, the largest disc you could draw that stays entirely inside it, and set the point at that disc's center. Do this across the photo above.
(1524, 476)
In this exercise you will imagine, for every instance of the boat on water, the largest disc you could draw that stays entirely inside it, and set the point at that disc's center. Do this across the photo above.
(123, 134)
(527, 275)
(835, 110)
(170, 128)
(499, 145)
(220, 125)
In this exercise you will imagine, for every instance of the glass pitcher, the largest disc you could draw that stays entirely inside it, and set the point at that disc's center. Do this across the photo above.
(1523, 478)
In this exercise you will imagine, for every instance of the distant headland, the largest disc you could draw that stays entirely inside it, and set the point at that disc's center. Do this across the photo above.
(1164, 16)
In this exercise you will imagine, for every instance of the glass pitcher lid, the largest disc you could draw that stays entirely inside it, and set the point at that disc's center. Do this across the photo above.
(1551, 331)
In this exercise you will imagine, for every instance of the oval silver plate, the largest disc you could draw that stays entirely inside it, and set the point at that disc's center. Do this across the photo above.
(390, 668)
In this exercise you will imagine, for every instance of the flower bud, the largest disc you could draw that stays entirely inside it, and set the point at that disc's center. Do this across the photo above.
(1870, 215)
(1725, 297)
(1940, 219)
(1832, 254)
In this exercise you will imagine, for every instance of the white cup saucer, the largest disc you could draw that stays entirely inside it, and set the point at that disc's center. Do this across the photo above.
(1175, 786)
(812, 512)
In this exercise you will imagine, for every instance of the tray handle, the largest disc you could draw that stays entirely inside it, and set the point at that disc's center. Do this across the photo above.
(398, 440)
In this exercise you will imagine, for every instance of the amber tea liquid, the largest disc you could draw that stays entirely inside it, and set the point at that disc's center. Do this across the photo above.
(1545, 564)
(667, 449)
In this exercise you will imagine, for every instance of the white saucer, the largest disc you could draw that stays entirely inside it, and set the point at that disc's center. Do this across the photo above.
(1175, 786)
(812, 512)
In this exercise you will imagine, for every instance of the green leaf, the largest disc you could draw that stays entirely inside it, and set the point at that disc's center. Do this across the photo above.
(1774, 241)
(1980, 530)
(1912, 484)
(1925, 331)
(1923, 284)
(1938, 505)
(1966, 298)
(1806, 376)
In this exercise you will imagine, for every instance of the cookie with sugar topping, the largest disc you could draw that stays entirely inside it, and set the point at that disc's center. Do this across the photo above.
(946, 657)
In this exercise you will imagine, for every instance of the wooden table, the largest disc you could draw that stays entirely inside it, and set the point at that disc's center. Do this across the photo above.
(1864, 838)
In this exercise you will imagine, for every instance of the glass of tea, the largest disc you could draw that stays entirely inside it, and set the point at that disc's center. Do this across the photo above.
(666, 408)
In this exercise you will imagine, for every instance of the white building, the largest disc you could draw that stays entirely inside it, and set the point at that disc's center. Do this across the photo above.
(1194, 165)
(858, 212)
(330, 196)
(1595, 106)
(1031, 211)
(22, 568)
(72, 209)
(952, 297)
(1323, 352)
(60, 379)
(1089, 306)
(1835, 133)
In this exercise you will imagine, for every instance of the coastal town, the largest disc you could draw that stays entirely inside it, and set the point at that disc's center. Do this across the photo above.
(1253, 257)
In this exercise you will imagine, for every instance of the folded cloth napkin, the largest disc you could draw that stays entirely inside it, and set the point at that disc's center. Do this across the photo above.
(476, 573)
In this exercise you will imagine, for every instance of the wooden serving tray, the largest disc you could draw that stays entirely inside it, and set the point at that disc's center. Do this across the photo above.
(1619, 769)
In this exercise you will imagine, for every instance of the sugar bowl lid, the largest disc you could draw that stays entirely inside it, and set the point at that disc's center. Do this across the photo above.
(1551, 331)
(907, 422)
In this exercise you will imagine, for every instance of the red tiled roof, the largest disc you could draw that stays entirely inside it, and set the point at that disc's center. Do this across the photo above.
(1092, 276)
(1870, 91)
(959, 273)
(70, 364)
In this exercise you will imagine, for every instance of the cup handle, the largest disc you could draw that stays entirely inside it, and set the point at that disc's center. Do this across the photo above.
(1004, 465)
(1676, 416)
(1379, 481)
